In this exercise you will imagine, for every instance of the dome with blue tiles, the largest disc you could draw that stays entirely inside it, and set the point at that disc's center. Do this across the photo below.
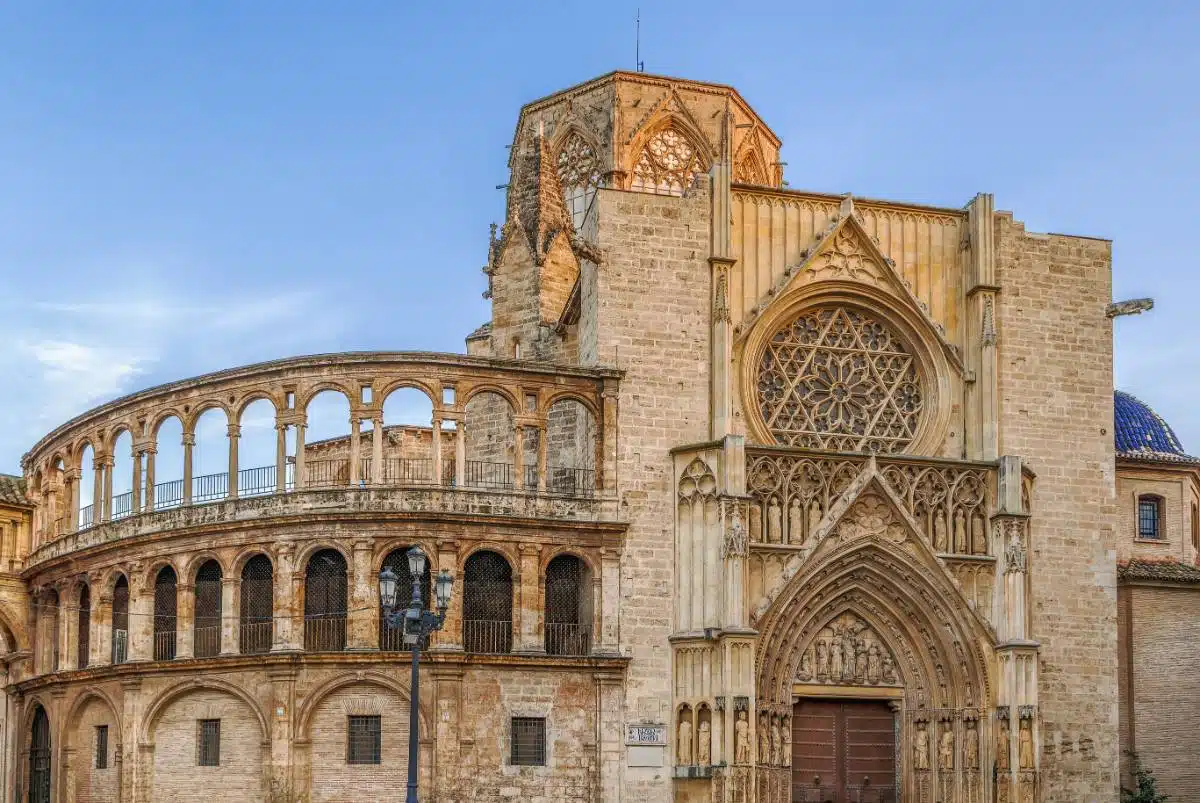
(1142, 434)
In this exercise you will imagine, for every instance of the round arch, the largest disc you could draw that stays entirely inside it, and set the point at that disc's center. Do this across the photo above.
(155, 710)
(313, 699)
(392, 385)
(305, 398)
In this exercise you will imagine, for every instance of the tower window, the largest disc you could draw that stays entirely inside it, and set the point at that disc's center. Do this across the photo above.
(1149, 517)
(528, 742)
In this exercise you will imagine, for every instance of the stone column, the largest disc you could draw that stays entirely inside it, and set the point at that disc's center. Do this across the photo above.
(135, 487)
(280, 758)
(460, 452)
(364, 603)
(301, 476)
(377, 449)
(280, 457)
(607, 468)
(189, 443)
(100, 642)
(73, 477)
(185, 620)
(355, 449)
(150, 453)
(98, 486)
(450, 636)
(543, 470)
(289, 624)
(529, 601)
(447, 696)
(68, 623)
(721, 265)
(129, 759)
(141, 615)
(606, 641)
(519, 457)
(234, 432)
(109, 462)
(610, 729)
(436, 455)
(231, 615)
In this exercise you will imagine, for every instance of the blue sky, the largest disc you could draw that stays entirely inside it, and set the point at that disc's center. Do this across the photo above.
(187, 186)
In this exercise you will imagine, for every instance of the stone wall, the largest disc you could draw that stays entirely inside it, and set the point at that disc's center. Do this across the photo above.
(1056, 412)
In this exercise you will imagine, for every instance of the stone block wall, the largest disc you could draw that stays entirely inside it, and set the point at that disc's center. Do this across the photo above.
(1175, 524)
(1056, 412)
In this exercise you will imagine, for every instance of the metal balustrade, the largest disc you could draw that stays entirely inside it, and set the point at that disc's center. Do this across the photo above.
(164, 645)
(256, 637)
(206, 641)
(325, 633)
(568, 639)
(486, 636)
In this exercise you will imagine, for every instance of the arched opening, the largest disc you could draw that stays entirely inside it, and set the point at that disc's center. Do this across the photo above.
(408, 439)
(87, 488)
(120, 621)
(168, 465)
(570, 449)
(206, 632)
(257, 449)
(327, 440)
(490, 442)
(325, 601)
(579, 175)
(392, 638)
(39, 757)
(165, 618)
(668, 164)
(91, 743)
(84, 627)
(210, 457)
(257, 618)
(487, 603)
(568, 607)
(122, 476)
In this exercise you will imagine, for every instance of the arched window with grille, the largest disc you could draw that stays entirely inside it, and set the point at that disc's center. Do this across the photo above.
(568, 608)
(257, 617)
(83, 631)
(206, 630)
(39, 757)
(120, 621)
(165, 619)
(1150, 518)
(487, 603)
(392, 638)
(325, 602)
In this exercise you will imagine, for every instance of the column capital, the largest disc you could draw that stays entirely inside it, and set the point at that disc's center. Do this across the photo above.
(234, 430)
(189, 439)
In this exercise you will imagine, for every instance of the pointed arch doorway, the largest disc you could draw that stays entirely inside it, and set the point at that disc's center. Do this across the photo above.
(843, 750)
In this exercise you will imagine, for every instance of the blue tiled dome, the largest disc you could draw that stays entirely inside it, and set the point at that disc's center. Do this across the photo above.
(1142, 433)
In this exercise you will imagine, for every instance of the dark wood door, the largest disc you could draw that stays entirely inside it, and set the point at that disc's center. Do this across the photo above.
(843, 752)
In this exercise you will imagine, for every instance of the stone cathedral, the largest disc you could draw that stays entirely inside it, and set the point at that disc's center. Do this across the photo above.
(749, 494)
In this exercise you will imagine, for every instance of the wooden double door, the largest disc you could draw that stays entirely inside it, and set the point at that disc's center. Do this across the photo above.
(843, 751)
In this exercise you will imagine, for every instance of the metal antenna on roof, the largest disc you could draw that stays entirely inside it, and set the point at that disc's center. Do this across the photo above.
(637, 53)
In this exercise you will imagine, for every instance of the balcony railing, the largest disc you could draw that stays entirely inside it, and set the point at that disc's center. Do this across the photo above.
(120, 646)
(207, 641)
(568, 639)
(325, 633)
(481, 635)
(164, 645)
(256, 637)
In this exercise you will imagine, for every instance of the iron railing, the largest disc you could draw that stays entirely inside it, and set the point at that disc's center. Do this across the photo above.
(210, 487)
(326, 473)
(258, 481)
(206, 641)
(122, 505)
(485, 474)
(164, 645)
(486, 636)
(568, 639)
(256, 637)
(325, 633)
(408, 471)
(120, 646)
(86, 516)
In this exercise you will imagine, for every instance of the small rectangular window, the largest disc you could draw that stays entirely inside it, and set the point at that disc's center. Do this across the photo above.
(364, 740)
(1148, 518)
(528, 742)
(101, 747)
(208, 743)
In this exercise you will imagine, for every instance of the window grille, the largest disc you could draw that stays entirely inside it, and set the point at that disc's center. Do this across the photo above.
(120, 620)
(528, 742)
(364, 740)
(101, 747)
(257, 614)
(487, 603)
(207, 621)
(83, 637)
(568, 629)
(1149, 510)
(392, 638)
(165, 620)
(325, 602)
(208, 743)
(39, 758)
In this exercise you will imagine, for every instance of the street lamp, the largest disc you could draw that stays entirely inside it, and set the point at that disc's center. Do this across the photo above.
(417, 623)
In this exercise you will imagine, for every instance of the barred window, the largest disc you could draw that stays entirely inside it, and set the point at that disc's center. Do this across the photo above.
(364, 740)
(568, 612)
(392, 638)
(257, 620)
(120, 620)
(83, 636)
(101, 747)
(487, 603)
(1149, 517)
(528, 742)
(206, 632)
(208, 743)
(325, 602)
(165, 606)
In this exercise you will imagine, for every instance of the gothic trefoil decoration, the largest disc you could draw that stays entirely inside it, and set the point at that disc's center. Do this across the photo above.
(839, 379)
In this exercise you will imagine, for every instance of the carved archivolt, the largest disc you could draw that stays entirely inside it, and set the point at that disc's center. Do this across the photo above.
(668, 164)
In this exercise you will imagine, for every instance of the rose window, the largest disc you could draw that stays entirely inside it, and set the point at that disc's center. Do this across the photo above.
(668, 164)
(841, 380)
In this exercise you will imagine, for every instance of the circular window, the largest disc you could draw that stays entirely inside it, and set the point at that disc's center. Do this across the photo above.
(839, 379)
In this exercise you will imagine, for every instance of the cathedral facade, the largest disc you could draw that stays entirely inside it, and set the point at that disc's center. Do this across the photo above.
(748, 494)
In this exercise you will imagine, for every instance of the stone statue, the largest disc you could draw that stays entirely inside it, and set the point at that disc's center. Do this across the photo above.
(764, 741)
(972, 746)
(946, 748)
(814, 521)
(822, 659)
(1014, 552)
(776, 744)
(960, 533)
(873, 664)
(1025, 745)
(889, 669)
(921, 747)
(774, 521)
(978, 536)
(848, 658)
(860, 663)
(805, 671)
(835, 662)
(685, 740)
(741, 739)
(787, 742)
(704, 748)
(795, 522)
(939, 531)
(1002, 746)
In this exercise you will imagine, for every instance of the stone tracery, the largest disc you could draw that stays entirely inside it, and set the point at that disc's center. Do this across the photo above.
(667, 165)
(578, 173)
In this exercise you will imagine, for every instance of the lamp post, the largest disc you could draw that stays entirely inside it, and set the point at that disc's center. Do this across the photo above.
(417, 623)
